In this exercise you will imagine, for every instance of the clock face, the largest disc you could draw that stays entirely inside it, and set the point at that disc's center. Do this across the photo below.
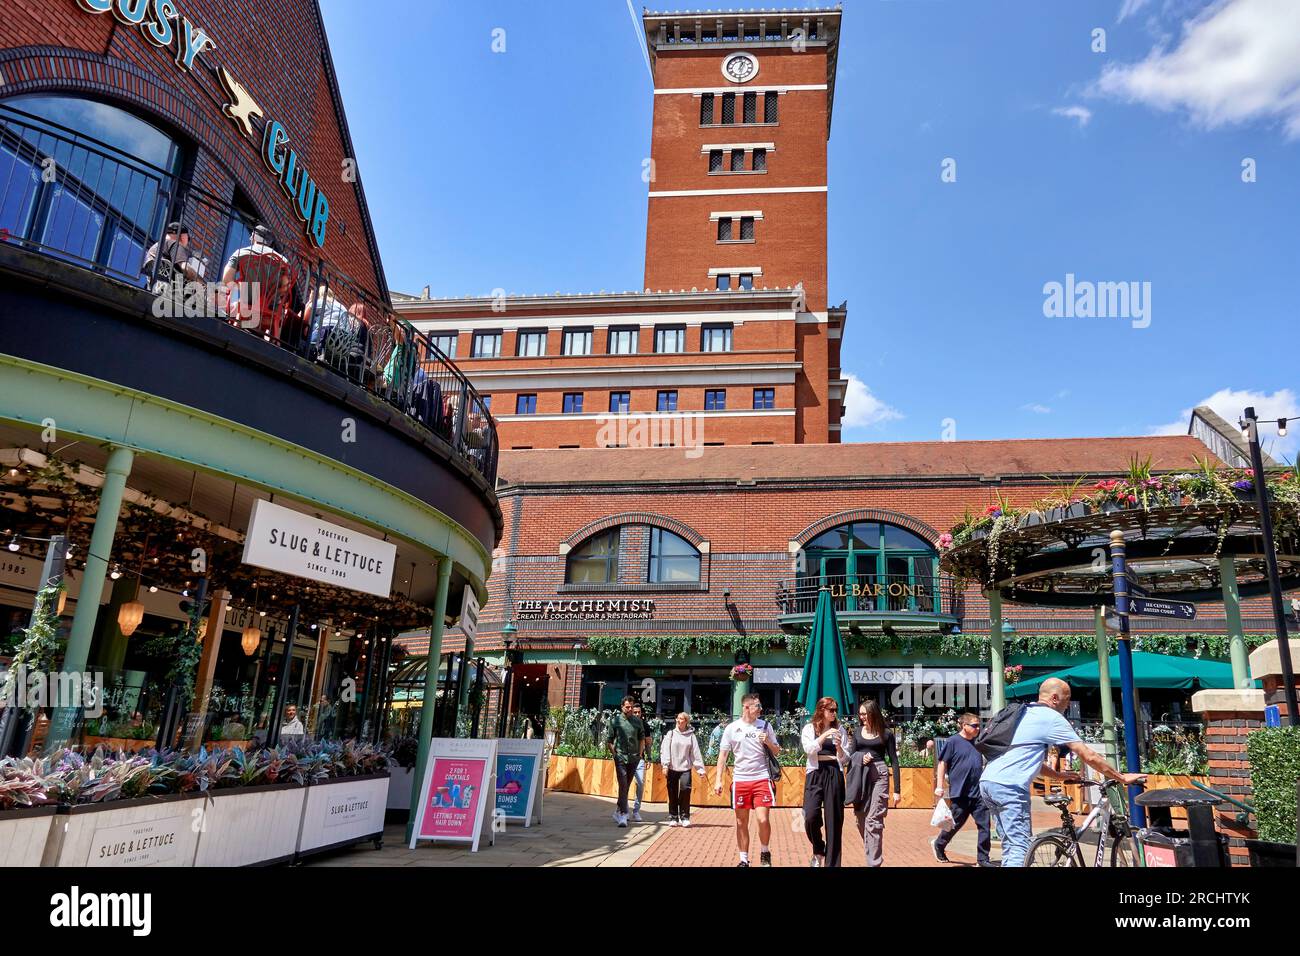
(740, 67)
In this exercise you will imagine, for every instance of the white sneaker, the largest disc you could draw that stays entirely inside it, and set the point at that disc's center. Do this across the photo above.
(672, 821)
(618, 818)
(686, 821)
(622, 819)
(636, 815)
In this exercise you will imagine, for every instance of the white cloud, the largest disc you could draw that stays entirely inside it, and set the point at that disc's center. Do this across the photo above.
(861, 408)
(1236, 61)
(1129, 8)
(1230, 403)
(1036, 408)
(1080, 113)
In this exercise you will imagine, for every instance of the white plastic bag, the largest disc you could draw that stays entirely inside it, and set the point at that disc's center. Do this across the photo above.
(942, 816)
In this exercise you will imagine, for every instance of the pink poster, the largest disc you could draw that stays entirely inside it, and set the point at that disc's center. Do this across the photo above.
(455, 791)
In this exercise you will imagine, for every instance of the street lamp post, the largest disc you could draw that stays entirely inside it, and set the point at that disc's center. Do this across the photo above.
(1250, 431)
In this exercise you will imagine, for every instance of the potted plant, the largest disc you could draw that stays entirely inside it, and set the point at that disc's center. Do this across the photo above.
(26, 812)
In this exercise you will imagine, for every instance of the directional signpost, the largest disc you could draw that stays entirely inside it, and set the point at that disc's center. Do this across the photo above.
(1146, 607)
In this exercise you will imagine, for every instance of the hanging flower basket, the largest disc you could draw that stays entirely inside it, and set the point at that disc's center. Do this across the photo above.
(1012, 673)
(742, 672)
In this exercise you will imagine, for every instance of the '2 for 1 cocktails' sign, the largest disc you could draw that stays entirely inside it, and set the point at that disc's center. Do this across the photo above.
(459, 783)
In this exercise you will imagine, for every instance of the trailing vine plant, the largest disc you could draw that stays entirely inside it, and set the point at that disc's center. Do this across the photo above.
(39, 650)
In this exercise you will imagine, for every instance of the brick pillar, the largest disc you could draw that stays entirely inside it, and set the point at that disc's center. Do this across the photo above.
(573, 686)
(1266, 667)
(1229, 716)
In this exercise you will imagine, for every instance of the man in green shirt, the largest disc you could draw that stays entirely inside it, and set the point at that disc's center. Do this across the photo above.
(625, 739)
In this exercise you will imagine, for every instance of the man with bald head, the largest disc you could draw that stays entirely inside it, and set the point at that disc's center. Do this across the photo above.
(1005, 782)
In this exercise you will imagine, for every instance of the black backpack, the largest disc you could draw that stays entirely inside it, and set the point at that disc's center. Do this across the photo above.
(999, 730)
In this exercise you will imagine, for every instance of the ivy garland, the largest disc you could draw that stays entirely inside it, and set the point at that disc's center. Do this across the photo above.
(40, 647)
(1212, 646)
(185, 648)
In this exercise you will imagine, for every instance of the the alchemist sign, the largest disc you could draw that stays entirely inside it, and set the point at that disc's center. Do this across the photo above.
(294, 543)
(563, 609)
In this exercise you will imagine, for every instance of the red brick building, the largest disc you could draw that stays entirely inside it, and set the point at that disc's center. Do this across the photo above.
(621, 565)
(733, 339)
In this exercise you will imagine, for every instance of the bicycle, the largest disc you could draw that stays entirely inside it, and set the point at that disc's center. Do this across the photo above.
(1061, 846)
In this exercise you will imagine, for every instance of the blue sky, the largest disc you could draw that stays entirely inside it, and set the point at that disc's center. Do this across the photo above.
(522, 170)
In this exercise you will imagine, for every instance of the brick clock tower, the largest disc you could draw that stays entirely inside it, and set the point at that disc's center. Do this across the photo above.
(731, 329)
(742, 115)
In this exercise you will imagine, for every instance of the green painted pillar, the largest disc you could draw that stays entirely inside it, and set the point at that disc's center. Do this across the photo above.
(997, 651)
(739, 688)
(1232, 614)
(430, 689)
(92, 584)
(462, 696)
(1104, 689)
(108, 649)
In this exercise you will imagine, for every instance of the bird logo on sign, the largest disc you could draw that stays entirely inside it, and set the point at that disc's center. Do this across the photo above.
(242, 107)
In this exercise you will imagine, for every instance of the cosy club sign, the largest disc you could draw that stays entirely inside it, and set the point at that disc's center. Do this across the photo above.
(288, 541)
(161, 25)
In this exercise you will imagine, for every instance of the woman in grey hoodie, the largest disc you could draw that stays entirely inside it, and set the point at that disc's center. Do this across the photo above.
(679, 751)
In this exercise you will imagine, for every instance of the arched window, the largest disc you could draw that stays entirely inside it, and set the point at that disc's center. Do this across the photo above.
(595, 561)
(873, 565)
(673, 559)
(84, 181)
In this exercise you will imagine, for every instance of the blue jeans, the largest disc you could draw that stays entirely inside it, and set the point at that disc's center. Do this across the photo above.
(1010, 807)
(640, 785)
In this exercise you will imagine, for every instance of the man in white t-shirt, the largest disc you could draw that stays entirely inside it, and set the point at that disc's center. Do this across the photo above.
(750, 738)
(1005, 782)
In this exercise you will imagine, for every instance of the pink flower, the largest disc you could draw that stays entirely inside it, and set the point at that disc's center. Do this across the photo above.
(945, 540)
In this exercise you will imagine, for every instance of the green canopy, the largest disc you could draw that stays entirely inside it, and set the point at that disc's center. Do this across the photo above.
(825, 671)
(1158, 671)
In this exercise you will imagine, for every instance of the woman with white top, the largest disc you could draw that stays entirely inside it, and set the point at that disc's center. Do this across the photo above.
(679, 751)
(823, 789)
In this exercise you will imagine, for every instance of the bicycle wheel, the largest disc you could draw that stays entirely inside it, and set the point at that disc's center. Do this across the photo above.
(1124, 852)
(1052, 849)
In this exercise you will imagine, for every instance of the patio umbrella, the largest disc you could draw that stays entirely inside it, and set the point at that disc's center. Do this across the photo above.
(825, 673)
(1151, 671)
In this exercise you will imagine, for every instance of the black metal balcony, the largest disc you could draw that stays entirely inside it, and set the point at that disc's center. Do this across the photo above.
(72, 198)
(871, 596)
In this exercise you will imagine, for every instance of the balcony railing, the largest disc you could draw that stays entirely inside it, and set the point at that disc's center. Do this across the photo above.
(74, 198)
(897, 594)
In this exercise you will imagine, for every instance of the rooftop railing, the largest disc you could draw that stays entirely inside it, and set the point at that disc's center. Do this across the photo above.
(71, 197)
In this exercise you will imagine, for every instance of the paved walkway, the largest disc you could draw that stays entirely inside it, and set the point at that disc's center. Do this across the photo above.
(578, 831)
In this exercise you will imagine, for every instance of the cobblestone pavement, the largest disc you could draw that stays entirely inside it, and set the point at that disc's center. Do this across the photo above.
(578, 830)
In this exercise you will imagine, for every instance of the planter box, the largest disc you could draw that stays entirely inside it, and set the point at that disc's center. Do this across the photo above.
(1264, 853)
(151, 831)
(342, 812)
(597, 778)
(212, 745)
(1161, 781)
(399, 787)
(23, 833)
(245, 826)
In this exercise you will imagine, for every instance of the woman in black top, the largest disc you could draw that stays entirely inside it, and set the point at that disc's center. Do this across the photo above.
(868, 777)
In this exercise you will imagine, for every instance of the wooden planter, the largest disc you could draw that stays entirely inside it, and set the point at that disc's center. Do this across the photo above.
(151, 831)
(596, 777)
(246, 826)
(23, 833)
(344, 811)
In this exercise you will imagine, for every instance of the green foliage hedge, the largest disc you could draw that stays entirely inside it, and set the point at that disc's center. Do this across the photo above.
(1274, 754)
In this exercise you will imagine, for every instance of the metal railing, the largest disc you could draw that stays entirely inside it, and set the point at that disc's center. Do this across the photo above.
(74, 198)
(870, 593)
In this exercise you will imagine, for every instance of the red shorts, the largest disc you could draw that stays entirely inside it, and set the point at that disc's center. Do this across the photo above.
(752, 793)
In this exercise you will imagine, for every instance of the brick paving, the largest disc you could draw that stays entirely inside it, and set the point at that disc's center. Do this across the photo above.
(710, 840)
